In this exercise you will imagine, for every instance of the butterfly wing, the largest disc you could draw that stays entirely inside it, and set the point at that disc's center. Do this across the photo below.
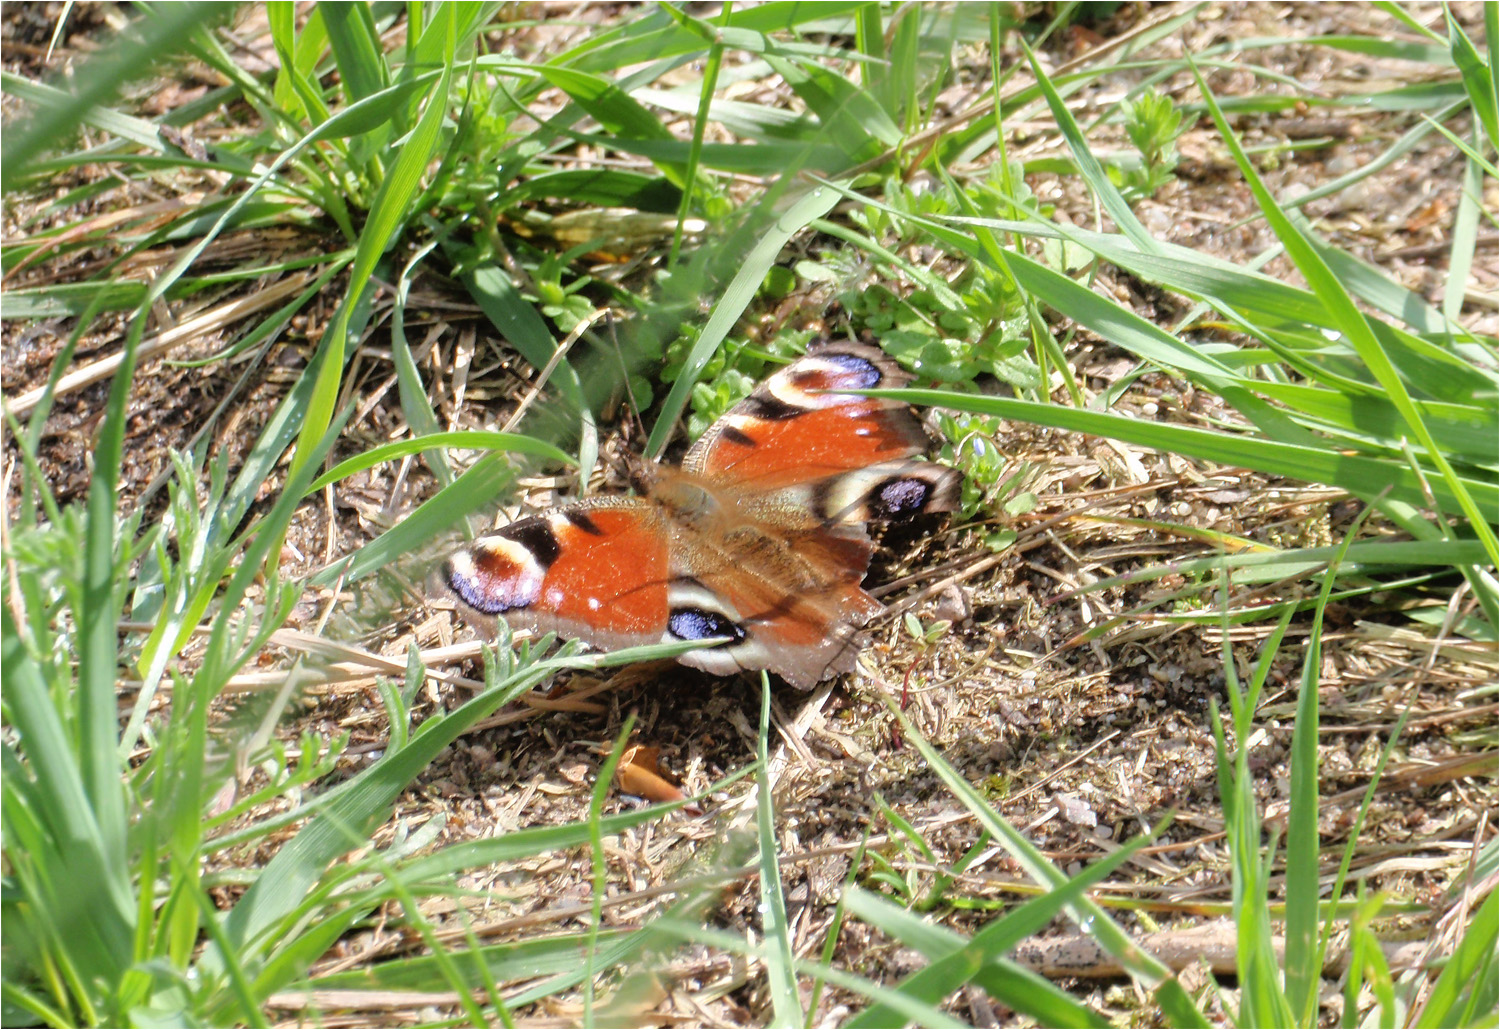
(841, 456)
(786, 593)
(596, 571)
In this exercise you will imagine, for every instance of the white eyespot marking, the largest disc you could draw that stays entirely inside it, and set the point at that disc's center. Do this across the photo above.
(496, 575)
(743, 425)
(807, 383)
(888, 490)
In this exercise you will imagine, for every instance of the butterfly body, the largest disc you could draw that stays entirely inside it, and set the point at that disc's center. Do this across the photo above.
(757, 539)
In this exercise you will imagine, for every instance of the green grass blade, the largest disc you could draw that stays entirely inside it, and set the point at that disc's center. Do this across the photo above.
(356, 49)
(514, 960)
(910, 1010)
(732, 303)
(1093, 172)
(848, 116)
(781, 959)
(1003, 980)
(126, 127)
(524, 328)
(161, 31)
(616, 111)
(518, 844)
(388, 213)
(83, 890)
(1355, 329)
(1145, 968)
(479, 485)
(469, 439)
(599, 862)
(963, 964)
(1478, 78)
(288, 877)
(1364, 477)
(1465, 235)
(98, 614)
(415, 404)
(1303, 844)
(1453, 997)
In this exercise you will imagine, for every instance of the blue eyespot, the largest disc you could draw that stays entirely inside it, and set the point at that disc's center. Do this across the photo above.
(698, 624)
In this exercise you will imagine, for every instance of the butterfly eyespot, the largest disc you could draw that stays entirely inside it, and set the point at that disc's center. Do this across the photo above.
(854, 372)
(699, 624)
(504, 571)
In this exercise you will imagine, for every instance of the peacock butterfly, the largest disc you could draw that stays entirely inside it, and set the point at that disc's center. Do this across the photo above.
(757, 537)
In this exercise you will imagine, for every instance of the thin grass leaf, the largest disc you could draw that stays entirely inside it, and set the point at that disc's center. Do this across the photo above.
(1402, 146)
(1143, 967)
(1478, 78)
(1303, 957)
(956, 966)
(209, 553)
(910, 1010)
(388, 212)
(75, 872)
(1455, 999)
(247, 1003)
(299, 53)
(512, 960)
(155, 36)
(776, 932)
(1259, 298)
(656, 37)
(291, 874)
(732, 303)
(848, 116)
(599, 863)
(1463, 432)
(442, 961)
(415, 404)
(1355, 329)
(469, 439)
(1465, 237)
(1364, 477)
(1088, 165)
(603, 187)
(616, 110)
(1262, 999)
(98, 615)
(356, 50)
(767, 159)
(123, 127)
(478, 486)
(523, 328)
(700, 127)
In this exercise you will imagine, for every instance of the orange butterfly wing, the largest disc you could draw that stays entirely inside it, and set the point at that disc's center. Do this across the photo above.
(597, 571)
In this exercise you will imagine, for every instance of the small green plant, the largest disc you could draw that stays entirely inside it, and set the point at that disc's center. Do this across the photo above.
(1153, 123)
(990, 478)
